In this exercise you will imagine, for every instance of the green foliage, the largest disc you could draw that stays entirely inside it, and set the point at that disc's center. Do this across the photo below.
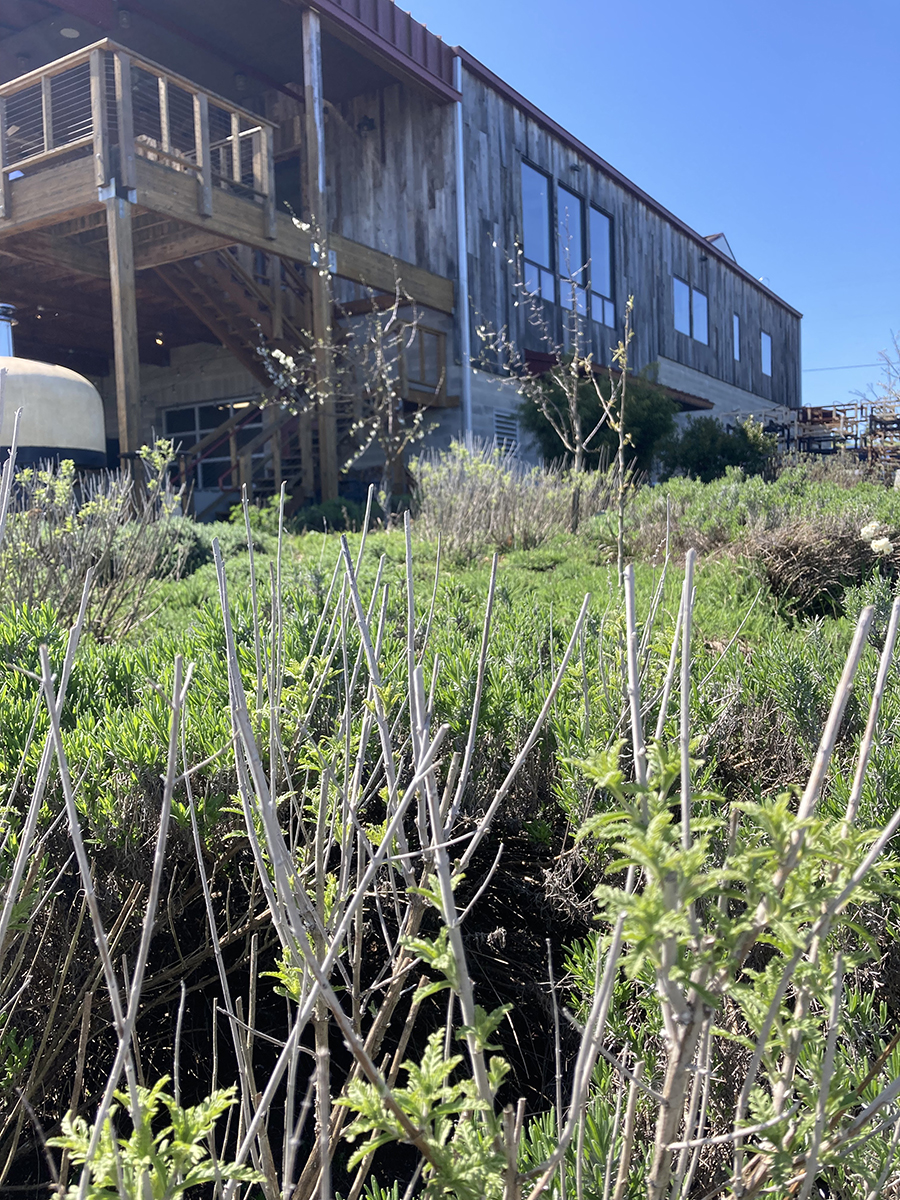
(649, 419)
(457, 1131)
(705, 449)
(151, 1162)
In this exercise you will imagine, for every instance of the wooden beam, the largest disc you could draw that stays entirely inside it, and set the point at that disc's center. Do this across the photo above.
(68, 190)
(124, 314)
(42, 246)
(320, 279)
(182, 242)
(66, 196)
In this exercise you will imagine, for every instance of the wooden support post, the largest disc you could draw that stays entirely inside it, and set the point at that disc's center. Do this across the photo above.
(47, 112)
(4, 177)
(267, 175)
(270, 417)
(320, 290)
(275, 283)
(164, 127)
(124, 314)
(125, 121)
(201, 144)
(235, 147)
(98, 118)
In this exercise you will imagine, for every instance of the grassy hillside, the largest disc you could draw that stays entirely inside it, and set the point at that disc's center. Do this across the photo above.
(277, 857)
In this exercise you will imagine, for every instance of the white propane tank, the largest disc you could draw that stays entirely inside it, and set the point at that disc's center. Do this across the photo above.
(62, 413)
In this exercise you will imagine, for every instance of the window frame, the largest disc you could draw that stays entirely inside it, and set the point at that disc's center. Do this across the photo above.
(692, 290)
(765, 352)
(607, 303)
(543, 276)
(736, 337)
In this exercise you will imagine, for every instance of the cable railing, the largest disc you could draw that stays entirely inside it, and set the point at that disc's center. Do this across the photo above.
(105, 102)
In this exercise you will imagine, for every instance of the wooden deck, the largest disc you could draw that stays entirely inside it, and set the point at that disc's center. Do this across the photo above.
(111, 166)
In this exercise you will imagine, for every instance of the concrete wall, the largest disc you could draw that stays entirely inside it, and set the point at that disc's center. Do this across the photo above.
(730, 403)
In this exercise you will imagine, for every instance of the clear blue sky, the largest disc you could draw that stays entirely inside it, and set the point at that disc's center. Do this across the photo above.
(775, 121)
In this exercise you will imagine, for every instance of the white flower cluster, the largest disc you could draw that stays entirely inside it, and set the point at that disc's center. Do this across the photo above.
(872, 533)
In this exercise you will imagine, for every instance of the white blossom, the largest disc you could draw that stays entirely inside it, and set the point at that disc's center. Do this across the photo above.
(870, 531)
(883, 545)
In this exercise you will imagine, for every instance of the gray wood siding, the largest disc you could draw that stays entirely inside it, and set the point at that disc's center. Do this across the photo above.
(393, 188)
(648, 251)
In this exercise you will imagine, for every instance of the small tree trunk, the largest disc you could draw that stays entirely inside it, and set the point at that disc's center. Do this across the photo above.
(576, 509)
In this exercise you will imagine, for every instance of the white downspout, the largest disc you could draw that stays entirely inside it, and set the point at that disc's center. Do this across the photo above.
(462, 270)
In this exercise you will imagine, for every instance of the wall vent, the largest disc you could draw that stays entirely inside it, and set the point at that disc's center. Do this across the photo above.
(506, 431)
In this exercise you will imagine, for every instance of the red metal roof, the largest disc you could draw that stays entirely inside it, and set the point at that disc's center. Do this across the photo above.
(387, 33)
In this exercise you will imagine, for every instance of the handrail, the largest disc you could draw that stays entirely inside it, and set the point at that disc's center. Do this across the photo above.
(201, 450)
(59, 65)
(85, 113)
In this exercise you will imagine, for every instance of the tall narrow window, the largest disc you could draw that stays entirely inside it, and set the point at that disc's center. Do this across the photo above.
(691, 311)
(765, 353)
(570, 254)
(538, 248)
(602, 308)
(682, 298)
(700, 317)
(736, 334)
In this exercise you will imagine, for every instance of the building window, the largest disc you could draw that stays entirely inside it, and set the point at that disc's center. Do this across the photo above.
(188, 426)
(736, 331)
(570, 249)
(506, 431)
(536, 222)
(699, 317)
(765, 353)
(691, 311)
(602, 308)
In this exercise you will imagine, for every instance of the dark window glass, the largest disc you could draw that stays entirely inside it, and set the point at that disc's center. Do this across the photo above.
(570, 217)
(211, 471)
(548, 286)
(700, 314)
(609, 315)
(211, 416)
(765, 350)
(180, 420)
(736, 331)
(601, 253)
(536, 215)
(532, 279)
(682, 298)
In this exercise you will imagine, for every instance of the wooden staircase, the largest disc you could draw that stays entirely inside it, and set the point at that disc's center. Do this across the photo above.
(245, 308)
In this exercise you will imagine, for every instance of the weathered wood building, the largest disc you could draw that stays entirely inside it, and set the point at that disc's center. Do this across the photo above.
(181, 179)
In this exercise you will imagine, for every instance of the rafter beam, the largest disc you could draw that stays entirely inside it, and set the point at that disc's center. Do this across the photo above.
(54, 251)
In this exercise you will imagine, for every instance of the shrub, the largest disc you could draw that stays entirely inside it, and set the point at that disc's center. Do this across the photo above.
(481, 498)
(649, 420)
(705, 449)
